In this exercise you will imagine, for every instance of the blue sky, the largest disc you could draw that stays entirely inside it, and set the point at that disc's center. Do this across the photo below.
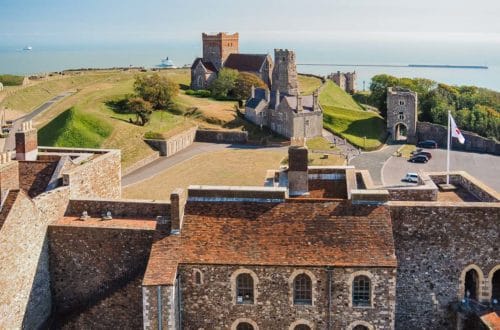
(81, 21)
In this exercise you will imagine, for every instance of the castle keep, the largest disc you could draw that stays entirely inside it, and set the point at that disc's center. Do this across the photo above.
(316, 247)
(346, 81)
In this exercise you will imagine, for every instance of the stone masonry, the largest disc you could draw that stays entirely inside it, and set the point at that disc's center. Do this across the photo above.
(285, 72)
(402, 114)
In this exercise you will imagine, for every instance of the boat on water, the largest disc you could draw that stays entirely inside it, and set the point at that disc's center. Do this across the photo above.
(27, 48)
(167, 63)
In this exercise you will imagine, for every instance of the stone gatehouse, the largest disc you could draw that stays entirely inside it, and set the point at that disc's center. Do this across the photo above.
(402, 114)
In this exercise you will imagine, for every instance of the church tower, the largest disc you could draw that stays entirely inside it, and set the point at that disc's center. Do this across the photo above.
(285, 72)
(217, 47)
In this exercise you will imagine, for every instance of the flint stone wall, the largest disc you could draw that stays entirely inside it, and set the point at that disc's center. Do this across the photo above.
(88, 265)
(473, 142)
(227, 136)
(119, 208)
(174, 144)
(211, 305)
(434, 244)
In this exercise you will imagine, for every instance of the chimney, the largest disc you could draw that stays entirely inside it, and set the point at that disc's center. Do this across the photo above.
(268, 95)
(9, 173)
(315, 100)
(253, 92)
(26, 142)
(177, 203)
(299, 103)
(277, 102)
(298, 171)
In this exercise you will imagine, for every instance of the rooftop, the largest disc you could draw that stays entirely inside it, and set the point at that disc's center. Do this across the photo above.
(141, 223)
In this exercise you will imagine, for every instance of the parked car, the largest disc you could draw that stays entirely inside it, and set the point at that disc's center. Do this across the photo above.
(411, 177)
(427, 144)
(423, 153)
(418, 159)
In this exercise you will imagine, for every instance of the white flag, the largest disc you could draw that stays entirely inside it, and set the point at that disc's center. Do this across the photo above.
(455, 132)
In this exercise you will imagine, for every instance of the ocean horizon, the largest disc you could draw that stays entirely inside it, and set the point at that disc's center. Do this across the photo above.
(346, 53)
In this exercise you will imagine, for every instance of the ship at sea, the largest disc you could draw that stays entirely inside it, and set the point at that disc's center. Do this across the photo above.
(28, 48)
(167, 64)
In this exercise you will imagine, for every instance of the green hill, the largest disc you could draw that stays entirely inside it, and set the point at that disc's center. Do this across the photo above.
(343, 116)
(74, 129)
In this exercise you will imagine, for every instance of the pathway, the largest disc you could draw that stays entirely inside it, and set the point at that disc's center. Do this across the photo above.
(197, 148)
(374, 161)
(10, 143)
(341, 144)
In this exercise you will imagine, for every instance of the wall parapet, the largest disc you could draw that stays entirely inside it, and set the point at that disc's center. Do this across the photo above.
(118, 207)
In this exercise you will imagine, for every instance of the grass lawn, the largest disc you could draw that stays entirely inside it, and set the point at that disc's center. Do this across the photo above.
(406, 150)
(307, 85)
(319, 143)
(226, 167)
(343, 116)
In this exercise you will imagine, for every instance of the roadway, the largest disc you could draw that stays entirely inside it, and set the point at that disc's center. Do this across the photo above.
(10, 143)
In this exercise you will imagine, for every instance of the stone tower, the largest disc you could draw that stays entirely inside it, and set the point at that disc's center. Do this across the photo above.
(285, 72)
(217, 47)
(350, 82)
(27, 142)
(402, 114)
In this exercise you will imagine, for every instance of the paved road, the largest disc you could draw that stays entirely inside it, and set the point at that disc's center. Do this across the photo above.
(344, 147)
(10, 144)
(197, 148)
(485, 167)
(373, 161)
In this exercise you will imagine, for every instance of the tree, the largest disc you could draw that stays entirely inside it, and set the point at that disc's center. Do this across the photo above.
(378, 88)
(224, 83)
(142, 110)
(244, 83)
(156, 89)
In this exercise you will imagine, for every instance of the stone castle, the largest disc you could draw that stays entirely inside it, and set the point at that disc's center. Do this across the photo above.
(283, 109)
(402, 117)
(222, 51)
(345, 80)
(315, 248)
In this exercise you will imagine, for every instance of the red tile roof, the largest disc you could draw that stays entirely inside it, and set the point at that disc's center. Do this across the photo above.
(34, 176)
(294, 233)
(492, 320)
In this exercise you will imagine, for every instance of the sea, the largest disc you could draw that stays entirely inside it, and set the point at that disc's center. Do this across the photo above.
(328, 55)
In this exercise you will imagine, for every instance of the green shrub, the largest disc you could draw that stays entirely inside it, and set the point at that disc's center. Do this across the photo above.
(153, 135)
(11, 80)
(199, 93)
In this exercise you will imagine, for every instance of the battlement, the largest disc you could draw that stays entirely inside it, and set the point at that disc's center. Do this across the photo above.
(219, 35)
(400, 91)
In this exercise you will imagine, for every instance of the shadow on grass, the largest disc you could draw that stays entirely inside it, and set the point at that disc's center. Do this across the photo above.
(119, 106)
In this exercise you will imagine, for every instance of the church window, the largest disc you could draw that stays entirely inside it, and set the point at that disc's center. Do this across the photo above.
(361, 291)
(302, 290)
(197, 277)
(244, 326)
(244, 289)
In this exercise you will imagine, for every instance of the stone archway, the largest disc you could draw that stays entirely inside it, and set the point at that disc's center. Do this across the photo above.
(400, 132)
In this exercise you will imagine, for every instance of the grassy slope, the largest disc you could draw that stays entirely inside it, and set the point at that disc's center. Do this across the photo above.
(307, 85)
(72, 128)
(343, 116)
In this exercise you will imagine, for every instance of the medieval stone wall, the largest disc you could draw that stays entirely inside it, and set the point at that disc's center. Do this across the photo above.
(473, 142)
(212, 304)
(434, 244)
(285, 72)
(25, 299)
(9, 177)
(226, 136)
(402, 110)
(91, 267)
(174, 144)
(120, 208)
(100, 177)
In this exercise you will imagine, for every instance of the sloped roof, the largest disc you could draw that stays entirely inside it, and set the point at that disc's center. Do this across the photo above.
(291, 100)
(294, 233)
(207, 64)
(245, 62)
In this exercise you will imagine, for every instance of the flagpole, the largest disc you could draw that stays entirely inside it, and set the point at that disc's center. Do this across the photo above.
(448, 151)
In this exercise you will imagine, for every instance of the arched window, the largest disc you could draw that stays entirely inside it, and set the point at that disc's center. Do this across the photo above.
(244, 289)
(302, 290)
(244, 326)
(361, 292)
(197, 277)
(302, 327)
(471, 284)
(495, 286)
(360, 327)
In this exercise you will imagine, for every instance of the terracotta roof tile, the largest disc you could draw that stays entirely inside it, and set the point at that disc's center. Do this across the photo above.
(492, 320)
(294, 233)
(34, 176)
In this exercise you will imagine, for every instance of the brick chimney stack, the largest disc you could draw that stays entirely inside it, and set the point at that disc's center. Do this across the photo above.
(9, 173)
(298, 171)
(315, 100)
(177, 203)
(27, 142)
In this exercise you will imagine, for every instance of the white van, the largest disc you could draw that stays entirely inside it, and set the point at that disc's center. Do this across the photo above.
(411, 177)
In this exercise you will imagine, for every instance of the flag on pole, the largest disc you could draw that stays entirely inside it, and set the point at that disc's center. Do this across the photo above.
(455, 132)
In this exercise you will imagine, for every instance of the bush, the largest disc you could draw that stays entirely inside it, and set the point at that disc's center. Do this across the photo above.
(11, 80)
(153, 135)
(156, 89)
(199, 93)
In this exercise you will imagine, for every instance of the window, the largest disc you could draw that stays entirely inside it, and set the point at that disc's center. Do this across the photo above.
(401, 116)
(197, 277)
(244, 326)
(244, 289)
(471, 284)
(302, 327)
(361, 291)
(401, 102)
(360, 327)
(302, 290)
(495, 286)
